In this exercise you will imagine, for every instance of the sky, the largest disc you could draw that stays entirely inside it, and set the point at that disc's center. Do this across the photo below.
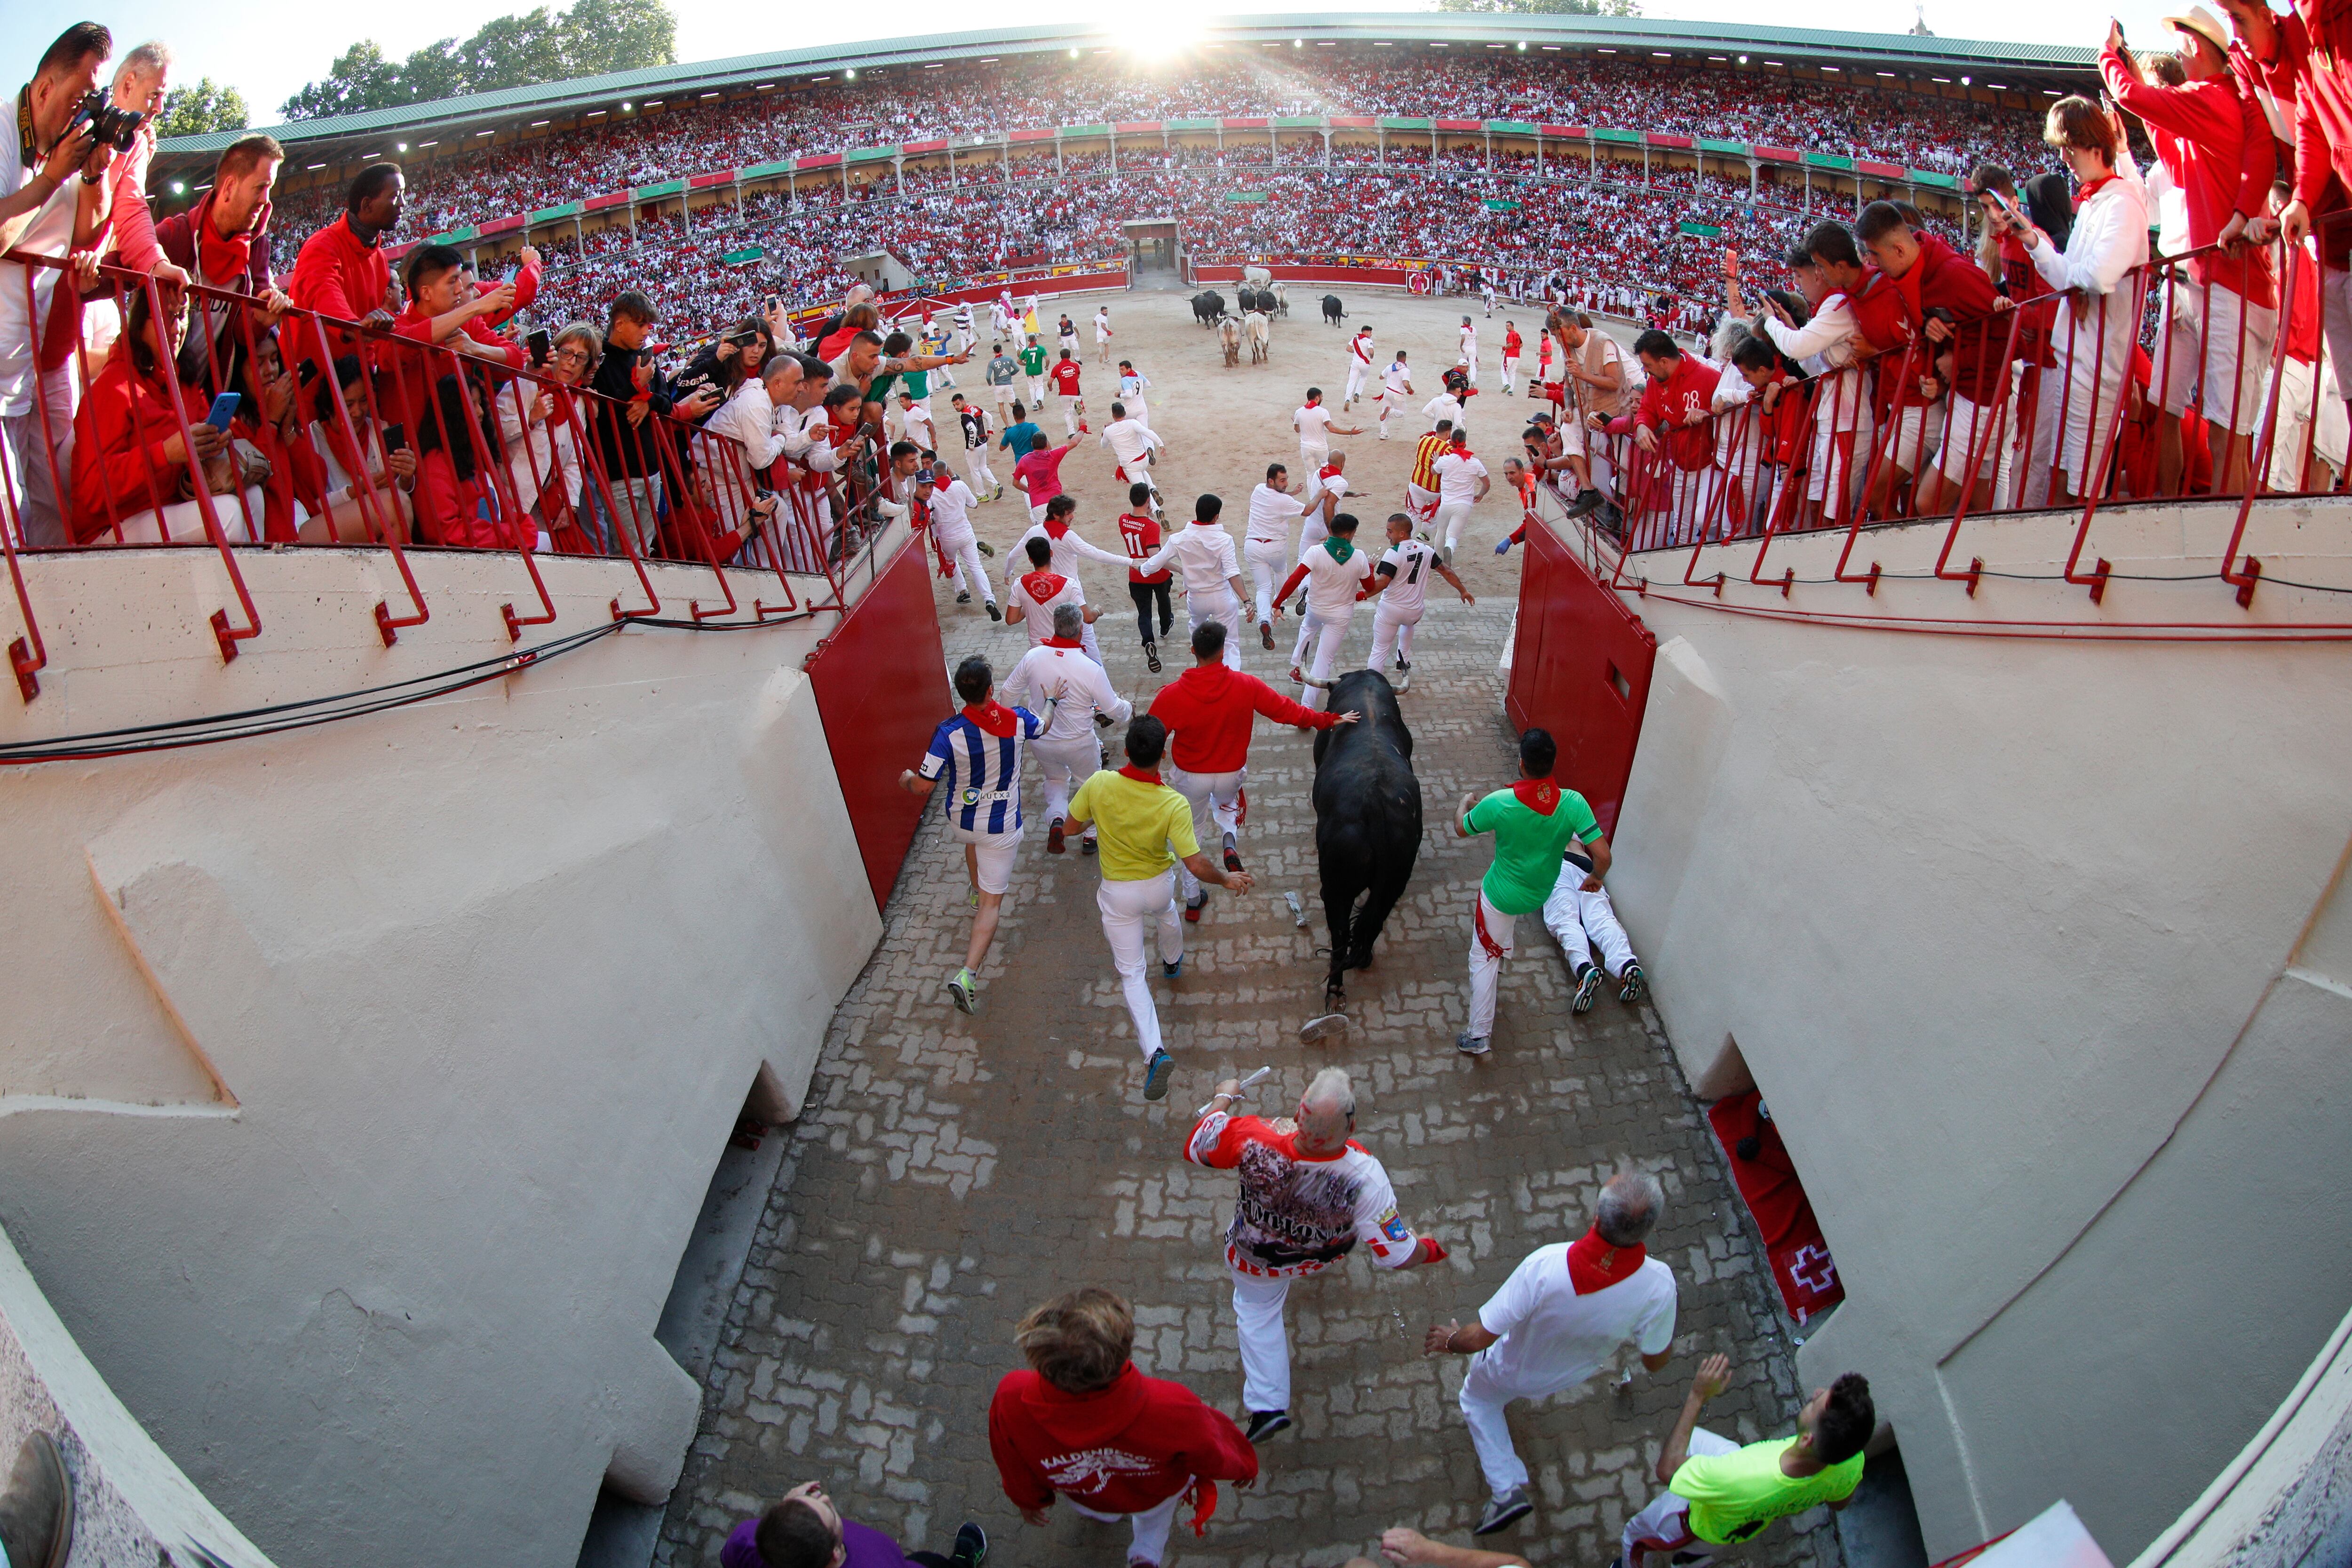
(269, 49)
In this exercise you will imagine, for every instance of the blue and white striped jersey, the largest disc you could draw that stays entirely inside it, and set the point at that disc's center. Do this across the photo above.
(983, 771)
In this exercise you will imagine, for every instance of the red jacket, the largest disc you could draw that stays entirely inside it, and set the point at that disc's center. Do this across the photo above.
(119, 432)
(1209, 711)
(337, 276)
(1665, 404)
(2216, 145)
(1947, 278)
(2323, 101)
(1122, 1449)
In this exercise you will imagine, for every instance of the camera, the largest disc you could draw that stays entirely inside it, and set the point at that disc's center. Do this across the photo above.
(111, 127)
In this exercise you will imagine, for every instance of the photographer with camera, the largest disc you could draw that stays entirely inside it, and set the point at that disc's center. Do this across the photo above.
(53, 162)
(141, 84)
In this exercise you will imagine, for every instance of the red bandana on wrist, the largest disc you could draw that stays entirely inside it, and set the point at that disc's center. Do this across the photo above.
(1595, 1265)
(1140, 775)
(993, 718)
(1539, 796)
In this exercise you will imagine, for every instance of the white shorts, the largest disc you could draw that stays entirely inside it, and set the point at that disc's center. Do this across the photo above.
(1968, 425)
(2198, 343)
(1421, 504)
(1916, 432)
(993, 856)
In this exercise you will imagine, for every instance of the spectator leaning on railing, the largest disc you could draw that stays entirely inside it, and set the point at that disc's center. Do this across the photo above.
(52, 203)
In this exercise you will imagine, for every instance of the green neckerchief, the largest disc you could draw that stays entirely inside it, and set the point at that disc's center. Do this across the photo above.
(1339, 548)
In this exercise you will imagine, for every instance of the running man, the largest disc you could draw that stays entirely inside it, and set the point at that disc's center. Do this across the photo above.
(1511, 347)
(1337, 574)
(1066, 548)
(978, 753)
(1138, 531)
(1360, 367)
(1070, 689)
(1145, 832)
(1132, 384)
(1421, 484)
(1002, 368)
(1211, 709)
(1267, 549)
(1037, 473)
(1033, 369)
(1066, 337)
(1132, 442)
(1469, 352)
(949, 504)
(973, 424)
(1312, 423)
(1396, 391)
(1310, 1192)
(1534, 822)
(1102, 334)
(1203, 551)
(1064, 378)
(1031, 596)
(1461, 483)
(1407, 566)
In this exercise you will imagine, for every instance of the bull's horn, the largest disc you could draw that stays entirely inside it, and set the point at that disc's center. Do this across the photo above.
(1320, 684)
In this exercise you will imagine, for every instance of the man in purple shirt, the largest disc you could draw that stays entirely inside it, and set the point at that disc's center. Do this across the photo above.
(803, 1529)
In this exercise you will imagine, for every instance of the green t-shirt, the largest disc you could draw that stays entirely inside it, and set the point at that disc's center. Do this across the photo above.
(1529, 845)
(1732, 1496)
(915, 384)
(1032, 359)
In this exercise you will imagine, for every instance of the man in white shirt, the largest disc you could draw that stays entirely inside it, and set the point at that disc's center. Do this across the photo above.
(1336, 571)
(1461, 483)
(1408, 565)
(1056, 681)
(1065, 549)
(1203, 554)
(1312, 423)
(1830, 346)
(1102, 334)
(749, 415)
(951, 502)
(1267, 546)
(1325, 488)
(1131, 441)
(1132, 384)
(1033, 595)
(1396, 391)
(1360, 365)
(1469, 355)
(1560, 1317)
(1444, 406)
(915, 423)
(53, 200)
(972, 423)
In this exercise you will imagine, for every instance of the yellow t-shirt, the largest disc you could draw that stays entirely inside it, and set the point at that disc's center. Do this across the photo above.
(1732, 1496)
(1135, 824)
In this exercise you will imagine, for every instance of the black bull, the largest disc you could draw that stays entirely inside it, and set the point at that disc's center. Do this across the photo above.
(1207, 307)
(1332, 309)
(1366, 820)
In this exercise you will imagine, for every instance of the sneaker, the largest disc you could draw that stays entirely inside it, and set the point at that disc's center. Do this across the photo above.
(1233, 857)
(1635, 986)
(1470, 1045)
(1448, 553)
(1054, 841)
(971, 1546)
(37, 1508)
(1265, 1424)
(993, 613)
(1156, 1076)
(1322, 1027)
(985, 547)
(1195, 904)
(1087, 845)
(1404, 664)
(1102, 721)
(1300, 609)
(1266, 635)
(962, 987)
(1586, 503)
(1588, 989)
(964, 597)
(1151, 657)
(1172, 971)
(1504, 1512)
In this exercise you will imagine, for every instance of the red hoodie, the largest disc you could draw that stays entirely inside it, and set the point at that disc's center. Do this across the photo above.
(1121, 1449)
(1209, 711)
(338, 276)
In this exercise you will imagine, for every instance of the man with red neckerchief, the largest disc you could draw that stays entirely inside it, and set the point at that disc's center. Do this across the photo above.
(1534, 822)
(1512, 345)
(1556, 1321)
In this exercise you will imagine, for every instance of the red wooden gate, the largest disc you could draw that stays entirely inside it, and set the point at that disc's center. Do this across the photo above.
(881, 688)
(1580, 668)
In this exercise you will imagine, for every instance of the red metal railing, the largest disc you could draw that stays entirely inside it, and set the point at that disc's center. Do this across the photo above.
(2075, 421)
(435, 446)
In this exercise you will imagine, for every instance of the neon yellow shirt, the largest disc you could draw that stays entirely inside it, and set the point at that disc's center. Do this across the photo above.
(1137, 825)
(1732, 1496)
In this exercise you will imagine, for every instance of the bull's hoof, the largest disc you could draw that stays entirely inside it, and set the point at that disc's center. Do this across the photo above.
(1328, 1026)
(1360, 961)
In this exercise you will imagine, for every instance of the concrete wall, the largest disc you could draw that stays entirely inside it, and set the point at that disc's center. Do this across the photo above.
(2041, 953)
(132, 1508)
(361, 1085)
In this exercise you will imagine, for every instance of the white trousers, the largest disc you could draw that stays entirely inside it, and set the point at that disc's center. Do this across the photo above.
(1128, 908)
(1270, 561)
(1469, 367)
(1216, 810)
(975, 464)
(962, 546)
(1328, 635)
(1583, 920)
(2212, 338)
(1313, 454)
(1265, 1340)
(1221, 607)
(1510, 374)
(1487, 968)
(1036, 393)
(1356, 373)
(1151, 1527)
(1391, 634)
(2293, 443)
(1450, 516)
(1482, 1401)
(183, 522)
(1663, 1527)
(1064, 765)
(1069, 414)
(2089, 383)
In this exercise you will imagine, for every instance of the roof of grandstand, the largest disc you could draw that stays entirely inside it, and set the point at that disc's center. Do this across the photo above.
(2035, 65)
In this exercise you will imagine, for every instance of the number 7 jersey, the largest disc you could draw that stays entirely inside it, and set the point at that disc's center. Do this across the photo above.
(1408, 566)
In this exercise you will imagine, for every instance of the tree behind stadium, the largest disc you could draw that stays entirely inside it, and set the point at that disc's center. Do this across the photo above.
(520, 50)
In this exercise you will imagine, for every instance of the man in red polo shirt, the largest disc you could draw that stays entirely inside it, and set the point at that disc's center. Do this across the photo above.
(1955, 302)
(341, 270)
(1209, 711)
(1063, 374)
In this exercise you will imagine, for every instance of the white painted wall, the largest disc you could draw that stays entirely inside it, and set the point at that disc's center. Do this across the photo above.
(2041, 954)
(487, 981)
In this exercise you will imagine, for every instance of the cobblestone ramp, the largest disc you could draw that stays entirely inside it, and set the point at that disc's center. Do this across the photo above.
(951, 1172)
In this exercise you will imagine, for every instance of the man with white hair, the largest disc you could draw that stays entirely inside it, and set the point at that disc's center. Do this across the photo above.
(1309, 1194)
(1556, 1320)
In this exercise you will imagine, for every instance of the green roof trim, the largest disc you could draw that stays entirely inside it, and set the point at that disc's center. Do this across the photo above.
(1069, 131)
(1933, 180)
(1510, 128)
(872, 154)
(775, 171)
(1603, 133)
(1392, 122)
(1729, 149)
(1298, 122)
(1828, 161)
(555, 215)
(1176, 125)
(655, 192)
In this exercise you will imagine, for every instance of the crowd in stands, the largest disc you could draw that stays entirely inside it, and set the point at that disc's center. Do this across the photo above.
(1877, 386)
